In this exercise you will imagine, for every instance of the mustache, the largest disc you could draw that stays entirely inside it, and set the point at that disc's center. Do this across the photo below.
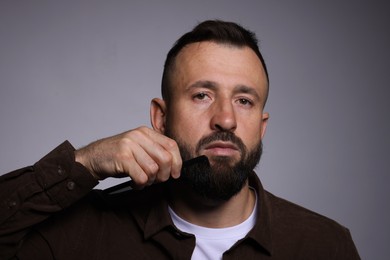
(221, 136)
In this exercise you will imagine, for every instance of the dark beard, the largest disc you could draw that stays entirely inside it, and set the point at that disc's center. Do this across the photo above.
(223, 179)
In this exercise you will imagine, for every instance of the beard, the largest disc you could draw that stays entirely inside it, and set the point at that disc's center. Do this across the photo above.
(224, 177)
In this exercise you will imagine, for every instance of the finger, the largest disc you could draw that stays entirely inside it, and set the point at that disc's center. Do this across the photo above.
(176, 161)
(137, 175)
(132, 160)
(151, 142)
(160, 156)
(170, 146)
(147, 165)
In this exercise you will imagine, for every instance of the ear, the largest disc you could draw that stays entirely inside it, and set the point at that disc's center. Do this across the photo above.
(264, 122)
(158, 111)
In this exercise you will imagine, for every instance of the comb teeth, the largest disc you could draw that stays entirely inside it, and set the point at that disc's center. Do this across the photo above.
(197, 160)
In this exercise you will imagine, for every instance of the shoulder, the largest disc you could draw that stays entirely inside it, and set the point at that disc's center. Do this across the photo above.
(286, 213)
(295, 225)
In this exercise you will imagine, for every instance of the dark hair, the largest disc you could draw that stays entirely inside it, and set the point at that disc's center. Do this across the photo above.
(215, 31)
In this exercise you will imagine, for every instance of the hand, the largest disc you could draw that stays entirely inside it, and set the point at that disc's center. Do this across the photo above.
(143, 154)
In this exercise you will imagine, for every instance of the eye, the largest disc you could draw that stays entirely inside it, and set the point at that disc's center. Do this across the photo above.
(245, 102)
(200, 96)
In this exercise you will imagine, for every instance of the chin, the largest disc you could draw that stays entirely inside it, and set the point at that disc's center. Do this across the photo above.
(223, 161)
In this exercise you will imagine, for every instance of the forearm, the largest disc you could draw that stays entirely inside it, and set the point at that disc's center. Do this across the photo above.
(30, 195)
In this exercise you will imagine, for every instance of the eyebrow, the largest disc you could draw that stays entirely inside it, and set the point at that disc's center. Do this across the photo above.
(214, 86)
(203, 84)
(247, 90)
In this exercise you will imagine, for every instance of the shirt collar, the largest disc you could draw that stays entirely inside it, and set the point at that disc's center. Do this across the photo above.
(261, 232)
(158, 219)
(154, 218)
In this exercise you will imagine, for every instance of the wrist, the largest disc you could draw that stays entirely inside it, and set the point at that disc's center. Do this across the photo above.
(81, 159)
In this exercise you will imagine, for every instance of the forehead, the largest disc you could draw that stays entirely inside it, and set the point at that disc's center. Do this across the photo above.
(220, 63)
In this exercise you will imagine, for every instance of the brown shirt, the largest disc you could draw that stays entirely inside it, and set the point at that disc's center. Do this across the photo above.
(48, 211)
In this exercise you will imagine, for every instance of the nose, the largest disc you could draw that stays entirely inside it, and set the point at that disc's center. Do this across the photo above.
(223, 118)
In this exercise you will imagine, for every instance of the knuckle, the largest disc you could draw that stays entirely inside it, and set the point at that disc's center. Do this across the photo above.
(141, 182)
(142, 130)
(166, 158)
(162, 177)
(152, 169)
(124, 144)
(171, 144)
(138, 132)
(134, 134)
(123, 155)
(140, 179)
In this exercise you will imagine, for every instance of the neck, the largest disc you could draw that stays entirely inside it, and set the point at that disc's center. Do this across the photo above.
(211, 213)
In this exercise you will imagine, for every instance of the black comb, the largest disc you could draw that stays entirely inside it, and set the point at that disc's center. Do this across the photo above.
(188, 163)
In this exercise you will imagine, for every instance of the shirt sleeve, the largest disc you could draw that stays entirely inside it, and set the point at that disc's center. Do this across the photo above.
(346, 247)
(30, 195)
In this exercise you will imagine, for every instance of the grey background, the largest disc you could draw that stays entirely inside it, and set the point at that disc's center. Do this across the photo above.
(83, 70)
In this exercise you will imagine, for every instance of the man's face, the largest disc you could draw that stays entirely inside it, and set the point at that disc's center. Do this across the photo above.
(216, 107)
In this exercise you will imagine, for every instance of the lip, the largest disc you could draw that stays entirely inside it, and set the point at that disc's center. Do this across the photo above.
(221, 148)
(223, 145)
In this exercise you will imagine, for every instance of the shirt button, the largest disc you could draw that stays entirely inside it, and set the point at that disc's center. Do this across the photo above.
(60, 170)
(71, 185)
(12, 204)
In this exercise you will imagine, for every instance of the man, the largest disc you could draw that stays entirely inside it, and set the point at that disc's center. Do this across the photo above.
(214, 87)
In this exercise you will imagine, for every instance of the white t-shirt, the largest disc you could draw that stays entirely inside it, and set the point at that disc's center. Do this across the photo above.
(211, 243)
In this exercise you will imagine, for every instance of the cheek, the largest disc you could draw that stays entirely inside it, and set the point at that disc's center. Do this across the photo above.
(188, 127)
(249, 132)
